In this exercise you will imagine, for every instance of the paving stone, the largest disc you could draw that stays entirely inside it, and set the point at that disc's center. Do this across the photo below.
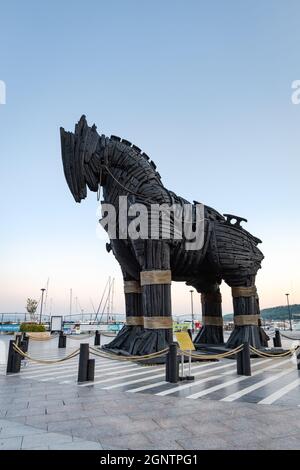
(286, 443)
(11, 443)
(64, 409)
(78, 445)
(26, 412)
(37, 421)
(245, 440)
(16, 406)
(96, 414)
(111, 447)
(75, 414)
(138, 426)
(169, 435)
(96, 433)
(61, 396)
(203, 443)
(120, 420)
(5, 401)
(132, 441)
(271, 429)
(40, 448)
(57, 417)
(213, 428)
(45, 403)
(187, 421)
(70, 424)
(16, 430)
(36, 394)
(18, 419)
(45, 439)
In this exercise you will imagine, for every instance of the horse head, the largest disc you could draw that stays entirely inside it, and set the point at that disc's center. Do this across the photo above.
(89, 160)
(84, 158)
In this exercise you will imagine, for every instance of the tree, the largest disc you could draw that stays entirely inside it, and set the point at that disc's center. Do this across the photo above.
(31, 306)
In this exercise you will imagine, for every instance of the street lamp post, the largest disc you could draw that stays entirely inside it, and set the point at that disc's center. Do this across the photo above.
(42, 302)
(290, 317)
(192, 311)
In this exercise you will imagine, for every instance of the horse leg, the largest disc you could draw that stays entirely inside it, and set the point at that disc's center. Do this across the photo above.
(212, 329)
(134, 316)
(156, 292)
(246, 312)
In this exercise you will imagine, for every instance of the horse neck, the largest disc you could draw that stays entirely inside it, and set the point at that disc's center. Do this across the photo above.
(131, 173)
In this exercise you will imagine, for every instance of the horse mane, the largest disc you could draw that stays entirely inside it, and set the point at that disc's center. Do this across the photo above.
(130, 170)
(134, 151)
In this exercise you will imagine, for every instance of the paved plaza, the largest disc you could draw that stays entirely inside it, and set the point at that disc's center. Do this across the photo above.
(130, 406)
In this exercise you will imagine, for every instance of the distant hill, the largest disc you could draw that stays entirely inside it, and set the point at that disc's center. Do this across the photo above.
(275, 313)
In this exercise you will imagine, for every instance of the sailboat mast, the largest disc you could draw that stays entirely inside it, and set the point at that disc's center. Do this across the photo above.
(112, 298)
(108, 300)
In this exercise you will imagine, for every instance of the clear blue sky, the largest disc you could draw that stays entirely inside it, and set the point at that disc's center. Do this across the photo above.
(203, 87)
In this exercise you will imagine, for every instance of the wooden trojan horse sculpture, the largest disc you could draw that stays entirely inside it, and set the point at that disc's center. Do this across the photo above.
(149, 265)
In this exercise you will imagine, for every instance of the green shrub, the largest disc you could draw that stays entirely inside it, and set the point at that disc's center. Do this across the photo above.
(31, 327)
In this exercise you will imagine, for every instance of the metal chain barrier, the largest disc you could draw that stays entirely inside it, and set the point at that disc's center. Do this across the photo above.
(43, 361)
(290, 352)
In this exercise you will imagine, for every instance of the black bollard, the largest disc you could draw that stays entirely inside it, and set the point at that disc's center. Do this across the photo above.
(62, 340)
(172, 364)
(243, 362)
(25, 342)
(13, 360)
(91, 370)
(167, 367)
(277, 339)
(23, 346)
(9, 367)
(83, 362)
(97, 338)
(298, 358)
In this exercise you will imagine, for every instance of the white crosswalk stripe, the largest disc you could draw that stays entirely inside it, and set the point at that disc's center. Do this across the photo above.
(158, 384)
(115, 371)
(251, 388)
(280, 393)
(196, 382)
(143, 380)
(75, 368)
(145, 372)
(202, 393)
